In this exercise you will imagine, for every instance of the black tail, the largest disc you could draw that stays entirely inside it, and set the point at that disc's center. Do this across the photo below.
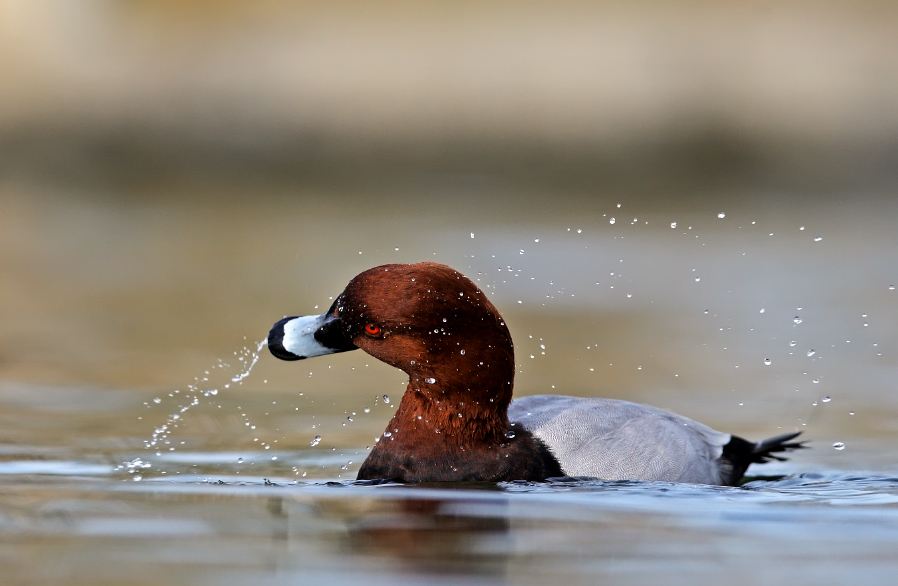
(764, 450)
(739, 454)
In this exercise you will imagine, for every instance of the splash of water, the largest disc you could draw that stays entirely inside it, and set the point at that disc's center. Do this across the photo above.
(237, 378)
(133, 467)
(203, 387)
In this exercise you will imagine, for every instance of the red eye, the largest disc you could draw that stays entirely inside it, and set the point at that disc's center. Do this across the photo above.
(372, 329)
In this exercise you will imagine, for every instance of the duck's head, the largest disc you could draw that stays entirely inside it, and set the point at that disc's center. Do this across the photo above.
(425, 319)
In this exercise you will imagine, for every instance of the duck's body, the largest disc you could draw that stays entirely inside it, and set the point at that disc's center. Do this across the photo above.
(456, 420)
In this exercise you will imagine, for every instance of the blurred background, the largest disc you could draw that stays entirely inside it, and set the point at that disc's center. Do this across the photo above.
(686, 204)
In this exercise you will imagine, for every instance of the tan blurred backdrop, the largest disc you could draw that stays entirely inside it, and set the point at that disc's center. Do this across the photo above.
(101, 90)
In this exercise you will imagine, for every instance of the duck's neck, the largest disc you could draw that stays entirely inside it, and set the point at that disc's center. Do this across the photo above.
(464, 400)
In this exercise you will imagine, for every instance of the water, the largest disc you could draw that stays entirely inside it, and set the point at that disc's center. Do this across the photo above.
(254, 482)
(815, 527)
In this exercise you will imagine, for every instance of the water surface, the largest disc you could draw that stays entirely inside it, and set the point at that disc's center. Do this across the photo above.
(121, 314)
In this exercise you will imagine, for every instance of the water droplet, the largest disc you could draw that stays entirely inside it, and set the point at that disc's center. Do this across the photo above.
(367, 409)
(697, 279)
(815, 381)
(818, 238)
(387, 434)
(801, 228)
(826, 399)
(851, 412)
(521, 251)
(839, 446)
(386, 399)
(792, 344)
(796, 319)
(811, 352)
(509, 434)
(611, 220)
(472, 234)
(240, 460)
(274, 457)
(157, 400)
(767, 361)
(673, 224)
(706, 312)
(430, 380)
(762, 310)
(462, 352)
(579, 231)
(891, 287)
(315, 441)
(721, 215)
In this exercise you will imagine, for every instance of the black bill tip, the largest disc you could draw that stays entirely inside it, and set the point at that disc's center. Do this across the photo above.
(276, 341)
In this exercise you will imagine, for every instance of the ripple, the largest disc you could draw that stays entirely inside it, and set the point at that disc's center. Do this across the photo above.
(56, 467)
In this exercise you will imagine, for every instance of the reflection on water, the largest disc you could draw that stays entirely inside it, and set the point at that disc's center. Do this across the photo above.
(431, 535)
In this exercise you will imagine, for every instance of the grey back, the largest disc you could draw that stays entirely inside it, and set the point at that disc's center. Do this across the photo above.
(619, 440)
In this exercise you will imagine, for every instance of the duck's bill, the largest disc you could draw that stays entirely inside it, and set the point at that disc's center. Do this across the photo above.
(295, 338)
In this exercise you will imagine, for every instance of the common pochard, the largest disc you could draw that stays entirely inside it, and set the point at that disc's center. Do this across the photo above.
(457, 420)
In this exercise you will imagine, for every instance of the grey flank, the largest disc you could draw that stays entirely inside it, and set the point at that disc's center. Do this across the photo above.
(619, 440)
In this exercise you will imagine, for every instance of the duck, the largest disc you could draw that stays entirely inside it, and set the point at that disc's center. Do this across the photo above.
(457, 420)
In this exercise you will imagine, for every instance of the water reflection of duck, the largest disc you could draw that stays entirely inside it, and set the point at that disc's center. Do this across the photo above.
(457, 421)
